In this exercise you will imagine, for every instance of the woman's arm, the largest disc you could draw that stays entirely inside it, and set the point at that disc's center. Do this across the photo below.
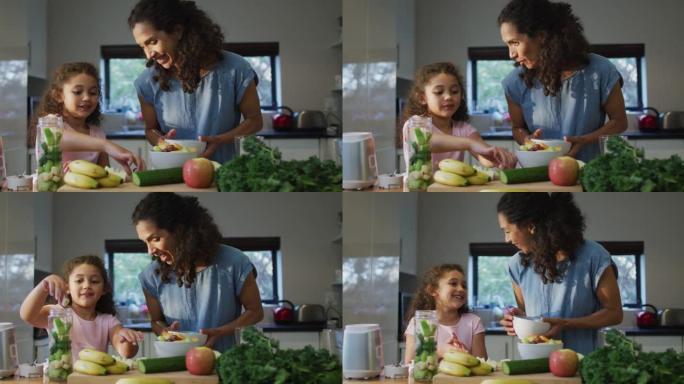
(507, 320)
(252, 314)
(125, 341)
(152, 130)
(608, 294)
(521, 133)
(617, 121)
(103, 159)
(33, 310)
(157, 320)
(479, 348)
(410, 349)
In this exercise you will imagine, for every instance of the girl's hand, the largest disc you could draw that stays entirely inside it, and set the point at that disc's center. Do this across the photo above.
(213, 334)
(506, 159)
(213, 143)
(56, 287)
(557, 325)
(131, 336)
(123, 156)
(507, 320)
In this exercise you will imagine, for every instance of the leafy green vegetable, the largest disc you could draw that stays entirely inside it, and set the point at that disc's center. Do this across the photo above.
(263, 170)
(260, 361)
(624, 169)
(622, 361)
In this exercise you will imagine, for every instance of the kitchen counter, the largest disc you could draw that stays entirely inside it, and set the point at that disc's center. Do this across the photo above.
(659, 134)
(268, 134)
(498, 186)
(130, 187)
(658, 331)
(539, 378)
(266, 327)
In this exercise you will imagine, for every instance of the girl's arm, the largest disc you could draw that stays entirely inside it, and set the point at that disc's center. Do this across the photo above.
(479, 348)
(125, 341)
(410, 349)
(501, 158)
(608, 295)
(521, 132)
(33, 310)
(75, 141)
(252, 314)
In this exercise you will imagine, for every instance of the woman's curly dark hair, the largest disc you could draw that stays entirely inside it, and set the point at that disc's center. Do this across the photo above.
(424, 299)
(50, 103)
(106, 302)
(558, 226)
(199, 47)
(422, 78)
(197, 238)
(561, 36)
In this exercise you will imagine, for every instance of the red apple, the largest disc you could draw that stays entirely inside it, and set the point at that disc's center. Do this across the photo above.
(200, 361)
(563, 362)
(563, 170)
(198, 172)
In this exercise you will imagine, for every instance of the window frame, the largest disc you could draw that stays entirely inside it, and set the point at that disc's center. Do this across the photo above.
(132, 51)
(247, 244)
(615, 248)
(611, 51)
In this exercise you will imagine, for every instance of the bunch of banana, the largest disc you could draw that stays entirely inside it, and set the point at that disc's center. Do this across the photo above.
(86, 175)
(457, 363)
(98, 363)
(459, 174)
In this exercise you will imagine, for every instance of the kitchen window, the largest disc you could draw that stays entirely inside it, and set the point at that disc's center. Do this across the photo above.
(125, 259)
(491, 283)
(121, 65)
(490, 65)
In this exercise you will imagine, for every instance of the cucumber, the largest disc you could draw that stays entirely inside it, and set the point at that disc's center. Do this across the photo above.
(524, 175)
(519, 367)
(158, 177)
(164, 364)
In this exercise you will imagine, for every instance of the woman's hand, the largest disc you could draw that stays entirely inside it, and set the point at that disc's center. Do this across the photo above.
(130, 336)
(577, 143)
(213, 334)
(507, 320)
(173, 327)
(123, 156)
(56, 286)
(213, 144)
(557, 325)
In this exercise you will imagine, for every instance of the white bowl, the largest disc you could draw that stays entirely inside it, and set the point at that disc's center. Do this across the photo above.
(529, 159)
(537, 351)
(529, 326)
(163, 160)
(178, 348)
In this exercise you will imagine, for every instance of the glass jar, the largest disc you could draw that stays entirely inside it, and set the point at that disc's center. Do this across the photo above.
(418, 156)
(59, 360)
(48, 153)
(425, 363)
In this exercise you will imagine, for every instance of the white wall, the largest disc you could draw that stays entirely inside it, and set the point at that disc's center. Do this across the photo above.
(305, 222)
(445, 29)
(305, 30)
(448, 223)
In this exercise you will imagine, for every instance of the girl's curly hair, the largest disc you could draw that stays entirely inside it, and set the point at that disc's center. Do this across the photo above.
(106, 302)
(559, 226)
(200, 45)
(424, 299)
(197, 237)
(561, 37)
(422, 78)
(50, 103)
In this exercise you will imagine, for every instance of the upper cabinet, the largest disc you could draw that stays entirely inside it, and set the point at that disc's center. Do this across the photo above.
(406, 38)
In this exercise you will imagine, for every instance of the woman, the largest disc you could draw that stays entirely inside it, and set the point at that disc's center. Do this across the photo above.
(557, 274)
(192, 87)
(558, 89)
(194, 282)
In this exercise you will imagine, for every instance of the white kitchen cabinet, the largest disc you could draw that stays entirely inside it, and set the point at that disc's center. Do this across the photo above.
(660, 149)
(138, 147)
(295, 340)
(499, 347)
(659, 343)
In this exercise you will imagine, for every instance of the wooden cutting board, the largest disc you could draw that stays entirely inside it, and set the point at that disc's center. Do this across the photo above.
(182, 377)
(537, 378)
(543, 186)
(130, 187)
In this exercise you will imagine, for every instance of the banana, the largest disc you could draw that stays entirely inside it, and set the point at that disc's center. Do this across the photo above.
(479, 178)
(457, 167)
(462, 358)
(448, 178)
(144, 380)
(117, 368)
(80, 181)
(112, 180)
(89, 368)
(96, 357)
(453, 369)
(483, 369)
(87, 168)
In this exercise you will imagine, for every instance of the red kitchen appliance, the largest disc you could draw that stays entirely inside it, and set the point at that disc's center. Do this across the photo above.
(283, 121)
(649, 120)
(648, 317)
(283, 314)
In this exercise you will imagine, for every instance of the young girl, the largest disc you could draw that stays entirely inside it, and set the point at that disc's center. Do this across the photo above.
(74, 93)
(89, 292)
(438, 93)
(444, 289)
